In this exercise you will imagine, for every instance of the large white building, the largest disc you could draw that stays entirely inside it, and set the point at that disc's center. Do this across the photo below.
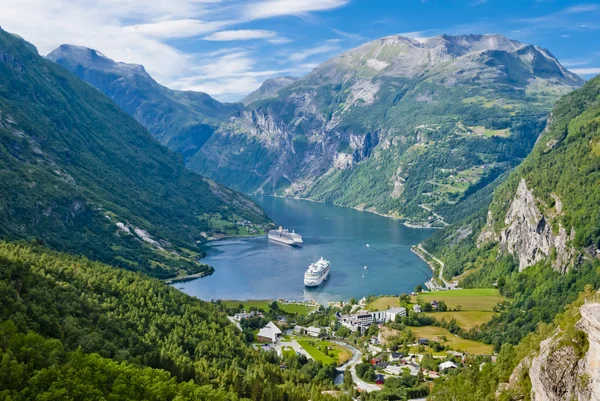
(388, 315)
(364, 319)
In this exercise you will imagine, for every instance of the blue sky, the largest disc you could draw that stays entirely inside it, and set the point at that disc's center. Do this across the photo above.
(228, 47)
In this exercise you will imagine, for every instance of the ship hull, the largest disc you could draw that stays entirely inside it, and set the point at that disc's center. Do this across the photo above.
(282, 240)
(315, 282)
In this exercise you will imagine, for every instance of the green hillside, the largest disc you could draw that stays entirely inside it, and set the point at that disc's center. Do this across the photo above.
(80, 175)
(539, 240)
(74, 329)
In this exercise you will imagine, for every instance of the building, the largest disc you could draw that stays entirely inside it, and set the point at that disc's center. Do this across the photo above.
(388, 315)
(447, 365)
(313, 331)
(423, 341)
(357, 321)
(299, 329)
(364, 319)
(394, 370)
(269, 333)
(243, 315)
(379, 379)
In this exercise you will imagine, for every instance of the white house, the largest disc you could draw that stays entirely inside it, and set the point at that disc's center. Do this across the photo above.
(393, 369)
(313, 331)
(269, 333)
(447, 365)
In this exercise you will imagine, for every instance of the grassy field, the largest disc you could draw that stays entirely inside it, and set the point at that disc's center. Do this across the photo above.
(465, 319)
(383, 303)
(301, 309)
(434, 333)
(477, 299)
(338, 355)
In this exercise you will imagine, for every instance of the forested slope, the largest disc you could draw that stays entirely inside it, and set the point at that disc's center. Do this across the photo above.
(75, 329)
(80, 175)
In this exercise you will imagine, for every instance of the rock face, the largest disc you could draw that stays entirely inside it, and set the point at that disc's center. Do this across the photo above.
(528, 234)
(559, 374)
(419, 106)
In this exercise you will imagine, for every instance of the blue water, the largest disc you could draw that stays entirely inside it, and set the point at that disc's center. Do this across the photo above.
(256, 268)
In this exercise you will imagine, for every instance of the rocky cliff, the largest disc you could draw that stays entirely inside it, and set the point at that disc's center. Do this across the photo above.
(532, 236)
(566, 367)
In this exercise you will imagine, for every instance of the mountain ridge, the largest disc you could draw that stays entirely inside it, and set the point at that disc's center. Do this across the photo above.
(80, 175)
(181, 120)
(375, 107)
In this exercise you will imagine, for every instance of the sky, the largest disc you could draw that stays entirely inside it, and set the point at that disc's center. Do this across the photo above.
(227, 48)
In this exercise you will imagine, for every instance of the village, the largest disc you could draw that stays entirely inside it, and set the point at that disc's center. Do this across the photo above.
(377, 341)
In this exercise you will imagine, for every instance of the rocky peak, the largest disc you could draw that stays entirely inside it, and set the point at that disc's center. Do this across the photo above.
(71, 57)
(268, 89)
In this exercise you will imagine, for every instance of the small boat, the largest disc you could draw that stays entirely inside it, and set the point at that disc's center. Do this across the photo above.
(365, 267)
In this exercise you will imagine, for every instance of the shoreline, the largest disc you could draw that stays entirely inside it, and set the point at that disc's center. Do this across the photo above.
(389, 216)
(189, 277)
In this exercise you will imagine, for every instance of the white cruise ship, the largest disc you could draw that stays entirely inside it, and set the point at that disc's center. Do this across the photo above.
(317, 273)
(284, 236)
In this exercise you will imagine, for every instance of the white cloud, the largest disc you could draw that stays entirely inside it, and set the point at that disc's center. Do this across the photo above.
(141, 32)
(419, 34)
(241, 34)
(176, 28)
(306, 53)
(582, 8)
(275, 8)
(574, 62)
(586, 71)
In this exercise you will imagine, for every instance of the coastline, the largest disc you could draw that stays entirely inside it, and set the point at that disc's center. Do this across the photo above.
(389, 216)
(189, 277)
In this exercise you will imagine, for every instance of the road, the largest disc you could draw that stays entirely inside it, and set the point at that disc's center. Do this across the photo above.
(295, 346)
(356, 358)
(441, 275)
(237, 324)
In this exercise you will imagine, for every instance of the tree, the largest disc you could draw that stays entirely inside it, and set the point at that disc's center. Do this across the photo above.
(404, 298)
(418, 288)
(442, 307)
(458, 307)
(348, 382)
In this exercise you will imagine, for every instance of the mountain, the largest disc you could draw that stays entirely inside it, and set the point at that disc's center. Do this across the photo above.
(181, 120)
(80, 175)
(400, 126)
(81, 330)
(539, 239)
(268, 89)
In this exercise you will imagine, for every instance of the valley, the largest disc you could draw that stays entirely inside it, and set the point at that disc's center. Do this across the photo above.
(448, 185)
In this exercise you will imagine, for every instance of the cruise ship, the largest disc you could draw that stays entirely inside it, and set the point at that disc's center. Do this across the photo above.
(286, 237)
(317, 273)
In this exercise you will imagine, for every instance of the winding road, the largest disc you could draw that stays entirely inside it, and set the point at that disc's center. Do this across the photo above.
(441, 275)
(356, 358)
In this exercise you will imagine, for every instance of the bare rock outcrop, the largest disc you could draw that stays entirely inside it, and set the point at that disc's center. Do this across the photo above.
(558, 373)
(528, 234)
